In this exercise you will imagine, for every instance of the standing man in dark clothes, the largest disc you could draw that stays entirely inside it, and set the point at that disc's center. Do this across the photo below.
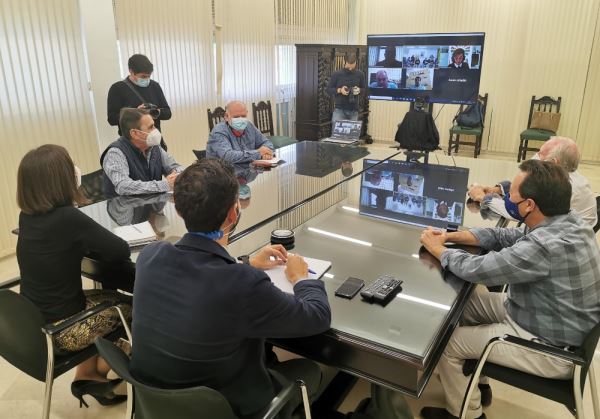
(138, 91)
(345, 85)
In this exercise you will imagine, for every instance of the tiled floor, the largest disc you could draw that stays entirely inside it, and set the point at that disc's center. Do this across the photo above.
(21, 396)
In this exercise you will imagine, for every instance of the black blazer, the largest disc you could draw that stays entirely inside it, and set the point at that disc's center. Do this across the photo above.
(200, 318)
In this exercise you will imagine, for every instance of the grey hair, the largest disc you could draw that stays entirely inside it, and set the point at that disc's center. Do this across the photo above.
(234, 102)
(565, 152)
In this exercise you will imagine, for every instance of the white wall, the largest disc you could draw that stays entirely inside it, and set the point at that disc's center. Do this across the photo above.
(535, 47)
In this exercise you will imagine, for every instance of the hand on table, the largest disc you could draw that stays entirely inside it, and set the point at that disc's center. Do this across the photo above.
(265, 153)
(171, 179)
(262, 260)
(296, 268)
(431, 237)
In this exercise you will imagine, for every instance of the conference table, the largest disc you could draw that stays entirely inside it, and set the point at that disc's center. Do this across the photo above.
(315, 191)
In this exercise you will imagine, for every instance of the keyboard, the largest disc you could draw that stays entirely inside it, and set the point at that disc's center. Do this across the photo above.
(382, 290)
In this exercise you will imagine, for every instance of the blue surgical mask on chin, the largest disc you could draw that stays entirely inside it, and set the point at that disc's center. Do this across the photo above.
(239, 124)
(142, 82)
(513, 208)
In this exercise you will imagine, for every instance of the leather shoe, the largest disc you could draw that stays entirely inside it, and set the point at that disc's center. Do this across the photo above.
(440, 413)
(486, 394)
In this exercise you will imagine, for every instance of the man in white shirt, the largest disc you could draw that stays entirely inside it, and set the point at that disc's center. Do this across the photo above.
(562, 151)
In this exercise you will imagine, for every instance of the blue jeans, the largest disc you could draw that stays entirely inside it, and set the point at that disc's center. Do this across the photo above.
(339, 114)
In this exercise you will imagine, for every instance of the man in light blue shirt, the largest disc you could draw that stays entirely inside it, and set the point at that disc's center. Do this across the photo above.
(237, 140)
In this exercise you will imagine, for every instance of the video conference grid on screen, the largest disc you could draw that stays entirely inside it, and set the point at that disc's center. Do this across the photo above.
(414, 193)
(441, 68)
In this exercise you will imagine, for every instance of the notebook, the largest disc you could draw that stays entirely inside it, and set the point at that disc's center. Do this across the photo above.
(267, 163)
(345, 132)
(278, 278)
(136, 234)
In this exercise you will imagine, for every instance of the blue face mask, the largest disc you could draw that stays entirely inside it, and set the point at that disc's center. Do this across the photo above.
(239, 124)
(513, 208)
(142, 82)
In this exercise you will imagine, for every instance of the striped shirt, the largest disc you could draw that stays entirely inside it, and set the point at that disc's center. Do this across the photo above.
(117, 169)
(553, 274)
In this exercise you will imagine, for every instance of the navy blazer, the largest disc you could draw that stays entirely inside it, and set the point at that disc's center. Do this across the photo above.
(200, 318)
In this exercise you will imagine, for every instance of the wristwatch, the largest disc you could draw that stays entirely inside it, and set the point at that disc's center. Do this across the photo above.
(245, 259)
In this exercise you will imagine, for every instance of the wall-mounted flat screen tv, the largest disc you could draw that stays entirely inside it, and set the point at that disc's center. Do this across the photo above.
(436, 67)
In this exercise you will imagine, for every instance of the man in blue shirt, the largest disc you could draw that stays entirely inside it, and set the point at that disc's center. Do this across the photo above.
(237, 140)
(201, 318)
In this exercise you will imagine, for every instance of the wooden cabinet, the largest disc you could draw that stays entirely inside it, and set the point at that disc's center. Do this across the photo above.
(314, 65)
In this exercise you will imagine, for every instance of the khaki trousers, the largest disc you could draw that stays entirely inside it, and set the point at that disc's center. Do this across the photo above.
(484, 318)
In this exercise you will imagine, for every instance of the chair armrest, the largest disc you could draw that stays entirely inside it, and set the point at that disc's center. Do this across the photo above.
(540, 348)
(51, 329)
(10, 283)
(280, 400)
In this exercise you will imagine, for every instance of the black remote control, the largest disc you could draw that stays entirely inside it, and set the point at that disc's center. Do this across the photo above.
(382, 290)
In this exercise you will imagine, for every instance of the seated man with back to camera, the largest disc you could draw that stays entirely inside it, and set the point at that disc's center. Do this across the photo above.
(201, 318)
(237, 140)
(562, 151)
(135, 163)
(554, 277)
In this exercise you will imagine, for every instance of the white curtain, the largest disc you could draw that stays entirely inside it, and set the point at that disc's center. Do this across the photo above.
(177, 37)
(44, 96)
(247, 31)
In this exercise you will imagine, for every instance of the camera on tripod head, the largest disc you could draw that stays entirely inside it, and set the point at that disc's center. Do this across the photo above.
(152, 109)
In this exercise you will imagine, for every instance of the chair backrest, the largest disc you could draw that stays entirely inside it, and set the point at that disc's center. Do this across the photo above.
(484, 101)
(263, 117)
(214, 117)
(92, 186)
(543, 104)
(157, 403)
(597, 226)
(22, 342)
(587, 350)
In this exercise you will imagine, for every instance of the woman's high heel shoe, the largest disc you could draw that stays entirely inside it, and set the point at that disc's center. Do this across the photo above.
(99, 390)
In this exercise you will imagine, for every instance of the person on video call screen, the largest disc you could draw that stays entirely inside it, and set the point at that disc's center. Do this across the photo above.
(458, 59)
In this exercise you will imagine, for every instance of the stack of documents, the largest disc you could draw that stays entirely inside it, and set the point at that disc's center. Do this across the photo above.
(136, 234)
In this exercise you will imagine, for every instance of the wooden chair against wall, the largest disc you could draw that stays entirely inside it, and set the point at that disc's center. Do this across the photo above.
(543, 104)
(263, 119)
(214, 117)
(456, 131)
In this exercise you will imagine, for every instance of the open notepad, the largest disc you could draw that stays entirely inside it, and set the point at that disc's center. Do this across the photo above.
(278, 278)
(136, 234)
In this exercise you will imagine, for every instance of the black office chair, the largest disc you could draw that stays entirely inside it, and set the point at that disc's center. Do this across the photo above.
(200, 154)
(543, 104)
(568, 391)
(214, 117)
(92, 187)
(263, 119)
(456, 131)
(597, 226)
(188, 403)
(30, 346)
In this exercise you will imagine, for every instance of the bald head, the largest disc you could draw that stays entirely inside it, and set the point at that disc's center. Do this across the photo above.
(236, 109)
(561, 150)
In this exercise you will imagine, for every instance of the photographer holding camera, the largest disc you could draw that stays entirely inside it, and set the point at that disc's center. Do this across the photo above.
(345, 86)
(138, 91)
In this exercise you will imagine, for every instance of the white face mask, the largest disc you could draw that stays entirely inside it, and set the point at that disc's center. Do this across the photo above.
(78, 176)
(153, 138)
(536, 156)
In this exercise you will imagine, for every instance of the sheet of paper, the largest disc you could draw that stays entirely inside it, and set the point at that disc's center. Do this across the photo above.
(268, 163)
(278, 278)
(136, 234)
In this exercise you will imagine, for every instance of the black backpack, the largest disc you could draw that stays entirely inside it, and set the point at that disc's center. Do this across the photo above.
(417, 132)
(471, 116)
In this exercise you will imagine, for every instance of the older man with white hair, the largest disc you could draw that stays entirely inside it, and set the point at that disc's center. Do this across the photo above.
(564, 152)
(237, 140)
